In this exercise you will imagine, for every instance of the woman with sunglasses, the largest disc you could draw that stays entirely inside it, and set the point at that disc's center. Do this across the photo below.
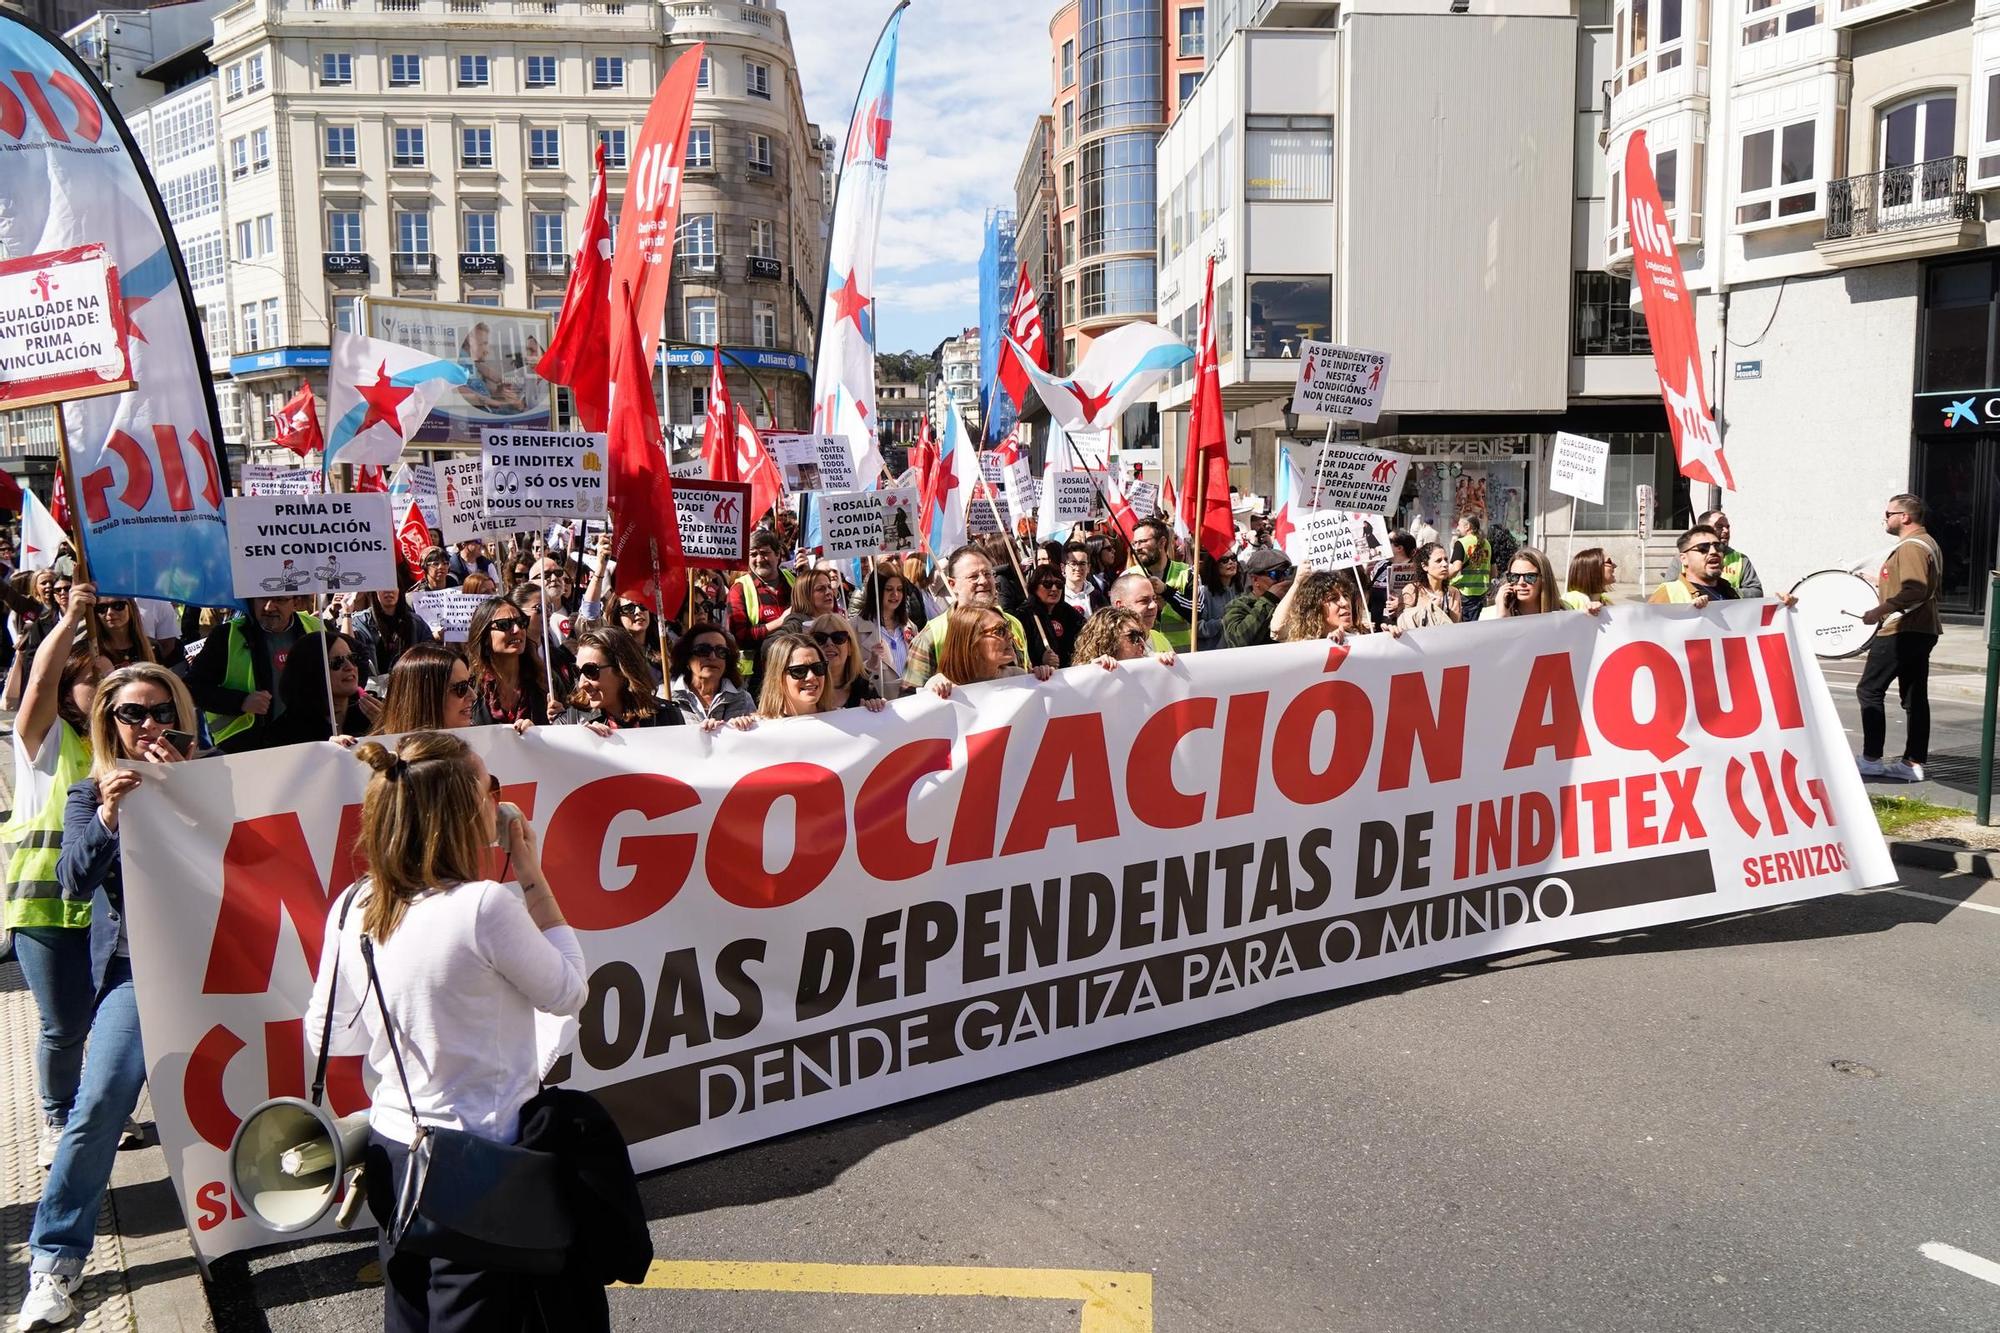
(1528, 587)
(1114, 635)
(795, 677)
(1109, 559)
(847, 682)
(978, 647)
(141, 713)
(708, 681)
(1052, 624)
(636, 619)
(508, 680)
(1591, 574)
(304, 687)
(614, 686)
(430, 689)
(1221, 584)
(119, 638)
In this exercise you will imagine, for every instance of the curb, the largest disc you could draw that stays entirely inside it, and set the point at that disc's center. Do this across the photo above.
(1947, 856)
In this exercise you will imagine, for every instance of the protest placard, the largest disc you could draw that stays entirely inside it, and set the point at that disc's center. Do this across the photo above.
(986, 512)
(1577, 465)
(693, 469)
(851, 524)
(285, 545)
(1074, 493)
(446, 610)
(1353, 476)
(1341, 382)
(902, 519)
(714, 522)
(418, 482)
(1326, 539)
(462, 504)
(1144, 497)
(61, 336)
(277, 479)
(544, 474)
(813, 462)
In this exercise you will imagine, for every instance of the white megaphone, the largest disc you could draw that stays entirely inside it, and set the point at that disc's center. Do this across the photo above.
(288, 1159)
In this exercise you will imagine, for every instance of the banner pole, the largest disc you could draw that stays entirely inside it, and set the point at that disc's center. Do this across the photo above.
(659, 603)
(1319, 466)
(326, 665)
(74, 501)
(548, 644)
(1200, 521)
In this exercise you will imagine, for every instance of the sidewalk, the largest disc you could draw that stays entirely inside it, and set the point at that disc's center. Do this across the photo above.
(142, 1273)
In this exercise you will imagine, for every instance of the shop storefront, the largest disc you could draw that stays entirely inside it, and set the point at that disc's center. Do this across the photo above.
(1955, 423)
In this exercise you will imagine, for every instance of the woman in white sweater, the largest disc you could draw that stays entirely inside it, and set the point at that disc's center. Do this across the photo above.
(464, 963)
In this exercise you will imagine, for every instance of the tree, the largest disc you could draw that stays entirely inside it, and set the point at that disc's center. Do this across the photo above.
(903, 367)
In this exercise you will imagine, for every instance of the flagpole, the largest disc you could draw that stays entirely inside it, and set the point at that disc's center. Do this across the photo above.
(548, 646)
(326, 665)
(73, 501)
(1201, 522)
(659, 603)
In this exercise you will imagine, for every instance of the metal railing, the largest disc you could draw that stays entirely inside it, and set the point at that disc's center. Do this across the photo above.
(1899, 199)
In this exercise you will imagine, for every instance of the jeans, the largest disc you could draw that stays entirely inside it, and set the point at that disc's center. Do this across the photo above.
(1473, 606)
(56, 962)
(1904, 658)
(113, 1076)
(424, 1295)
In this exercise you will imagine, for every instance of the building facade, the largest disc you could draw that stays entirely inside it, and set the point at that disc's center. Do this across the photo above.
(957, 382)
(998, 272)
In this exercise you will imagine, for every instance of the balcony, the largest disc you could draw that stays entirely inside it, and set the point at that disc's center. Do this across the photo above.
(698, 266)
(413, 264)
(548, 266)
(1900, 213)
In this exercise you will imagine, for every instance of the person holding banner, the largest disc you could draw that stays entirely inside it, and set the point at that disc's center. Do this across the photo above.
(508, 679)
(135, 715)
(1430, 599)
(795, 678)
(1737, 571)
(313, 675)
(614, 686)
(1139, 593)
(234, 680)
(1591, 574)
(1700, 580)
(979, 648)
(1529, 587)
(707, 680)
(1114, 635)
(430, 689)
(1051, 622)
(968, 578)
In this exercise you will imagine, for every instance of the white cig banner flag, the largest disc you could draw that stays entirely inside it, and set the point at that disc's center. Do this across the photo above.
(827, 915)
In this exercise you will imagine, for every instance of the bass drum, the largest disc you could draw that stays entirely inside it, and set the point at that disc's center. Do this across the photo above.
(1831, 604)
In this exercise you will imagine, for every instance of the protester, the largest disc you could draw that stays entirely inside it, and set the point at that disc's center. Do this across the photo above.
(302, 690)
(462, 965)
(1529, 587)
(1247, 621)
(49, 929)
(1700, 580)
(614, 686)
(520, 569)
(478, 585)
(761, 597)
(161, 621)
(636, 619)
(58, 598)
(847, 680)
(116, 633)
(430, 689)
(882, 621)
(1323, 604)
(1471, 565)
(509, 682)
(709, 600)
(132, 717)
(980, 647)
(1078, 589)
(1140, 594)
(470, 558)
(1431, 600)
(1737, 571)
(926, 591)
(234, 680)
(1113, 635)
(437, 570)
(1591, 574)
(1109, 559)
(707, 680)
(1909, 585)
(969, 578)
(795, 681)
(1391, 576)
(1221, 584)
(549, 639)
(384, 627)
(813, 595)
(1052, 624)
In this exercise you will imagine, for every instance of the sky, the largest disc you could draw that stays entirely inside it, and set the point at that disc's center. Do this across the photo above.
(972, 76)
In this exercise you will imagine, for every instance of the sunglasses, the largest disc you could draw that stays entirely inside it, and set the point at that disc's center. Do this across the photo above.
(807, 669)
(1703, 548)
(1895, 513)
(1049, 585)
(62, 590)
(114, 606)
(828, 639)
(631, 610)
(708, 650)
(340, 663)
(460, 689)
(134, 715)
(1514, 576)
(1136, 638)
(592, 670)
(506, 624)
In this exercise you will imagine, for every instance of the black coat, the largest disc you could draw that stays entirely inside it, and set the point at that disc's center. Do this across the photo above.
(612, 1243)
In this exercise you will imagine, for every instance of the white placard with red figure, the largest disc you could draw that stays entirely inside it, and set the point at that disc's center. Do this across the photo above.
(62, 333)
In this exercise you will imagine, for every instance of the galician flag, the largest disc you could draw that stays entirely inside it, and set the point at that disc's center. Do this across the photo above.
(1118, 368)
(844, 376)
(378, 393)
(41, 535)
(952, 479)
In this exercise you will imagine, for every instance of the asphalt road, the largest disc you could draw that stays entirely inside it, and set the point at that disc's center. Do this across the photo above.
(1750, 1123)
(1957, 698)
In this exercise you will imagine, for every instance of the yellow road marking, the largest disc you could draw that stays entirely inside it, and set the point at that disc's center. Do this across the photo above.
(1112, 1302)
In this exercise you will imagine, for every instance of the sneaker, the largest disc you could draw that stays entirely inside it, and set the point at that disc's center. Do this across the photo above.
(45, 1150)
(48, 1301)
(1902, 770)
(132, 1136)
(1872, 768)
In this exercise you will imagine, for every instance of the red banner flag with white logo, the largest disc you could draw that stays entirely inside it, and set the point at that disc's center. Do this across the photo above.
(1024, 326)
(1656, 268)
(412, 536)
(642, 264)
(1205, 482)
(579, 354)
(296, 426)
(645, 528)
(755, 465)
(718, 428)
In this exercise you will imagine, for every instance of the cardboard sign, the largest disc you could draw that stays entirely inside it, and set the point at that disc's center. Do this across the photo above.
(1327, 539)
(276, 479)
(1576, 466)
(813, 462)
(544, 474)
(901, 519)
(715, 522)
(418, 482)
(293, 545)
(1144, 497)
(1644, 499)
(462, 503)
(693, 469)
(986, 513)
(1341, 382)
(1073, 495)
(852, 523)
(447, 611)
(1353, 476)
(62, 334)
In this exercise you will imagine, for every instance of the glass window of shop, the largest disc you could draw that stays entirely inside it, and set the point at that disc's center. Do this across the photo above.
(1286, 310)
(1495, 486)
(1958, 336)
(1638, 458)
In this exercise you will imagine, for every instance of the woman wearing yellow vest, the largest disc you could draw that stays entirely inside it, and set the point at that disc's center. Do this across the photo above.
(51, 931)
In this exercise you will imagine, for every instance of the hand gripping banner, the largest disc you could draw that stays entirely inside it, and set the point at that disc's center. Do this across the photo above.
(831, 914)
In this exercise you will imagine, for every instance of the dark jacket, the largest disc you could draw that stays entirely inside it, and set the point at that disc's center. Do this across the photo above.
(297, 727)
(1051, 627)
(205, 673)
(88, 866)
(376, 656)
(1247, 622)
(612, 1243)
(665, 715)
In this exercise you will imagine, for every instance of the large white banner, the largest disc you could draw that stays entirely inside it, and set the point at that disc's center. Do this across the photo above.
(830, 914)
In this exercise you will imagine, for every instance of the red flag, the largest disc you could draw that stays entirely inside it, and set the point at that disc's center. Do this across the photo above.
(10, 491)
(579, 354)
(411, 539)
(718, 428)
(642, 267)
(1205, 481)
(368, 477)
(1656, 267)
(296, 424)
(1024, 326)
(1122, 513)
(59, 504)
(645, 530)
(924, 458)
(755, 465)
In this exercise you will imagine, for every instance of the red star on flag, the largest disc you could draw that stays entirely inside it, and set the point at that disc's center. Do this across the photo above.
(128, 310)
(1281, 527)
(385, 402)
(1091, 403)
(849, 302)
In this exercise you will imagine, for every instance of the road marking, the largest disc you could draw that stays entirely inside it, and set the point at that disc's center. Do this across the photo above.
(1939, 898)
(1970, 1264)
(1112, 1302)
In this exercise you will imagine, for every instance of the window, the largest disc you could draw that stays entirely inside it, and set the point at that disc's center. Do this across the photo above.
(475, 146)
(1988, 164)
(1188, 83)
(698, 394)
(1069, 185)
(1288, 157)
(761, 157)
(343, 231)
(239, 157)
(1193, 29)
(1957, 327)
(1068, 64)
(232, 79)
(268, 309)
(763, 238)
(1605, 323)
(249, 330)
(703, 77)
(406, 71)
(701, 147)
(267, 234)
(336, 69)
(1069, 303)
(763, 324)
(1068, 123)
(544, 148)
(253, 73)
(1666, 172)
(545, 233)
(1765, 19)
(703, 326)
(482, 232)
(205, 259)
(413, 231)
(483, 299)
(757, 78)
(260, 150)
(607, 72)
(1069, 243)
(1777, 174)
(409, 140)
(474, 71)
(246, 247)
(1286, 311)
(541, 72)
(347, 314)
(696, 242)
(613, 144)
(1655, 31)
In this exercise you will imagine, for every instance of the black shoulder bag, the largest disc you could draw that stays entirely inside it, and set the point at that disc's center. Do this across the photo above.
(469, 1199)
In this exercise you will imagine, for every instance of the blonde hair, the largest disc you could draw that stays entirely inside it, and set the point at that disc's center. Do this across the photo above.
(422, 824)
(827, 624)
(778, 650)
(960, 659)
(107, 755)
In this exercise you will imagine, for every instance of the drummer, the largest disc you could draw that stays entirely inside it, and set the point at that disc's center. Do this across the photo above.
(1737, 571)
(1911, 579)
(1700, 580)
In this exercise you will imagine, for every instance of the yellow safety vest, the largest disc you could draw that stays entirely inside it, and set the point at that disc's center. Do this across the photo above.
(241, 674)
(1732, 569)
(940, 630)
(1159, 642)
(1476, 579)
(1679, 592)
(32, 844)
